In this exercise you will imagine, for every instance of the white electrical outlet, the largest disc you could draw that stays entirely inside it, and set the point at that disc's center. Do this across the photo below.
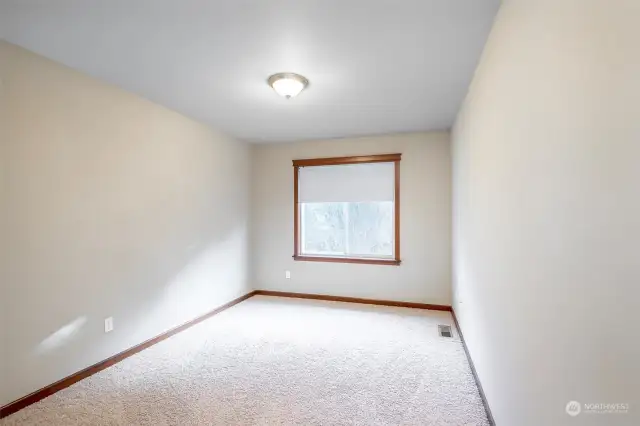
(287, 274)
(108, 324)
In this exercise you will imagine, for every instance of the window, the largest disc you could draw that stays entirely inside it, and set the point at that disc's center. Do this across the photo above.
(347, 209)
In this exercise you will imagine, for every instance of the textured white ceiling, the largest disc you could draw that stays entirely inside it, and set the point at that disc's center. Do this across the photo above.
(375, 66)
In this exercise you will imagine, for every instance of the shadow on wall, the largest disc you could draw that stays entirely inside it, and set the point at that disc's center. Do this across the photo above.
(189, 294)
(217, 274)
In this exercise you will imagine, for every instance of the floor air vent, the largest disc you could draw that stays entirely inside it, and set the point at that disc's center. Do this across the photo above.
(445, 331)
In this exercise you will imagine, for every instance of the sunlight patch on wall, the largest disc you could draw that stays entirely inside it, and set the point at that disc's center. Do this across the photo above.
(60, 337)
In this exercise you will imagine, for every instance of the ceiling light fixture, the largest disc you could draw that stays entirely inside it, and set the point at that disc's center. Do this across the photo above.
(288, 84)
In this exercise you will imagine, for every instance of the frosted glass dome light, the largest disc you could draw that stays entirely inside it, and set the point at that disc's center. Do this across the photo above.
(288, 85)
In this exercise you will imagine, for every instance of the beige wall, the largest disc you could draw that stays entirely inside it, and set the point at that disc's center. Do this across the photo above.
(3, 247)
(547, 211)
(114, 206)
(424, 275)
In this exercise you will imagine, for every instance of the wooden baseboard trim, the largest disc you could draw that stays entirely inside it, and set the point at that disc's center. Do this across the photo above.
(413, 305)
(46, 391)
(492, 422)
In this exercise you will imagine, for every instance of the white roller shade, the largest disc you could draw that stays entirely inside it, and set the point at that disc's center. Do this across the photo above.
(350, 182)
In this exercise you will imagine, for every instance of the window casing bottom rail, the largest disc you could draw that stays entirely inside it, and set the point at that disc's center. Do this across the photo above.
(391, 262)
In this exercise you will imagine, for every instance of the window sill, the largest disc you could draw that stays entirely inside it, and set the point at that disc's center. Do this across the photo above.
(390, 262)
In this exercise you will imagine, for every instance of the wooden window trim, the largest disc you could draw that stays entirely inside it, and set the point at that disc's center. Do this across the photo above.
(333, 161)
(336, 161)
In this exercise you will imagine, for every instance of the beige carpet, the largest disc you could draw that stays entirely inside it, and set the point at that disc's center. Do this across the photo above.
(273, 361)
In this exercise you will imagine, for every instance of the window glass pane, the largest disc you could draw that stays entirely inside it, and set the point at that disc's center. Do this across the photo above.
(359, 229)
(323, 229)
(370, 229)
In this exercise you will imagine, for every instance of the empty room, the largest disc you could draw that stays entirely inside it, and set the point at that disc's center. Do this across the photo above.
(320, 212)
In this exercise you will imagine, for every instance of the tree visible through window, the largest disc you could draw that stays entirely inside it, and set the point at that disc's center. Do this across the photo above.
(348, 229)
(347, 211)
